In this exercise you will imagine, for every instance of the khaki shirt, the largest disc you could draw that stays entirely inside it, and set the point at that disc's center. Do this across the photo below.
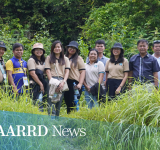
(32, 66)
(60, 68)
(74, 73)
(116, 71)
(92, 72)
(1, 75)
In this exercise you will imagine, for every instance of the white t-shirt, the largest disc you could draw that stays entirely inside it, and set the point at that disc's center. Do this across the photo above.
(92, 73)
(158, 60)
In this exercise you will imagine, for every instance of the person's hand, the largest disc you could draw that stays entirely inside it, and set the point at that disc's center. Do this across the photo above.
(15, 89)
(60, 87)
(88, 88)
(42, 88)
(118, 90)
(78, 86)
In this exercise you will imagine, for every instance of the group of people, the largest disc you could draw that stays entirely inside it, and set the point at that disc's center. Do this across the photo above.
(99, 75)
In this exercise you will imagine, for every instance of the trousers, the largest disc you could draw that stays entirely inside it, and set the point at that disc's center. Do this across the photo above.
(69, 95)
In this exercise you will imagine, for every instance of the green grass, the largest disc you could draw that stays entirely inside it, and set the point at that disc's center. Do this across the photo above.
(9, 102)
(138, 106)
(129, 123)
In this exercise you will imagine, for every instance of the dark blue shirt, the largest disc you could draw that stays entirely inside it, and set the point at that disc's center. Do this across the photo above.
(143, 68)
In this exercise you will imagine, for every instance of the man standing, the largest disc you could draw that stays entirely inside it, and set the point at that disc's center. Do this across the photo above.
(156, 49)
(143, 66)
(100, 46)
(2, 65)
(16, 69)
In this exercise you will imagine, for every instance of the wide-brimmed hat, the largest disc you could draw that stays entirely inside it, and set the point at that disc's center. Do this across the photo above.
(3, 45)
(74, 44)
(38, 45)
(117, 45)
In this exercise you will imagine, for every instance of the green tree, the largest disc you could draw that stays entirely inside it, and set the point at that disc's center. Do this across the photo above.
(123, 21)
(62, 18)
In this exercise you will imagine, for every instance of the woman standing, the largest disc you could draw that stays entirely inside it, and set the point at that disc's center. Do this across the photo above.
(57, 60)
(2, 64)
(76, 75)
(117, 68)
(36, 67)
(94, 74)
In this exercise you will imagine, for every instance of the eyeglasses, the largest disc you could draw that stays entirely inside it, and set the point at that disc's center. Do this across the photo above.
(71, 47)
(157, 41)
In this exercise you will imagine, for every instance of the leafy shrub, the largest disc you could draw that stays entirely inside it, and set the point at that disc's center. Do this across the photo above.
(11, 36)
(125, 22)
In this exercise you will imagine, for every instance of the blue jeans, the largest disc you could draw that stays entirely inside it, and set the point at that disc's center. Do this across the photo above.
(91, 100)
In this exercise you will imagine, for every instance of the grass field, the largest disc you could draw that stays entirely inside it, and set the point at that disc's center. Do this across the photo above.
(129, 123)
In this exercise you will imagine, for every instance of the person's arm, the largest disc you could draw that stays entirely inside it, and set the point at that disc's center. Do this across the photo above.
(106, 78)
(86, 86)
(48, 72)
(9, 69)
(81, 79)
(130, 74)
(100, 79)
(36, 79)
(155, 74)
(122, 83)
(11, 81)
(60, 87)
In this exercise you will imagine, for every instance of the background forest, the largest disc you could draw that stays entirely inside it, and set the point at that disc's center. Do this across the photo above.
(130, 123)
(85, 21)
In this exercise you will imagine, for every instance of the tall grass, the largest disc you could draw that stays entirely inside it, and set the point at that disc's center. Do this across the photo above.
(24, 104)
(129, 123)
(140, 106)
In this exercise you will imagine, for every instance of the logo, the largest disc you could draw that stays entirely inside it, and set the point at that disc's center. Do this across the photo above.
(120, 64)
(95, 66)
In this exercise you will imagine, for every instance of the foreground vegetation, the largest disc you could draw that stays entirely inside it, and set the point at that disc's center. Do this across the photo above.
(131, 122)
(139, 106)
(23, 104)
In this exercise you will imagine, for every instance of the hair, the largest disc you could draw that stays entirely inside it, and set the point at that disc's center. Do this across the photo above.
(120, 59)
(73, 57)
(16, 45)
(142, 41)
(156, 42)
(100, 42)
(96, 52)
(35, 58)
(61, 60)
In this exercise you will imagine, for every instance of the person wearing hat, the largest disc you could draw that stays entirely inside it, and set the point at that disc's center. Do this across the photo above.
(36, 63)
(2, 65)
(76, 74)
(16, 69)
(117, 68)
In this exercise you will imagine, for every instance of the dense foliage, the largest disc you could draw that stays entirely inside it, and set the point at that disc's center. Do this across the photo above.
(62, 18)
(114, 21)
(123, 21)
(19, 34)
